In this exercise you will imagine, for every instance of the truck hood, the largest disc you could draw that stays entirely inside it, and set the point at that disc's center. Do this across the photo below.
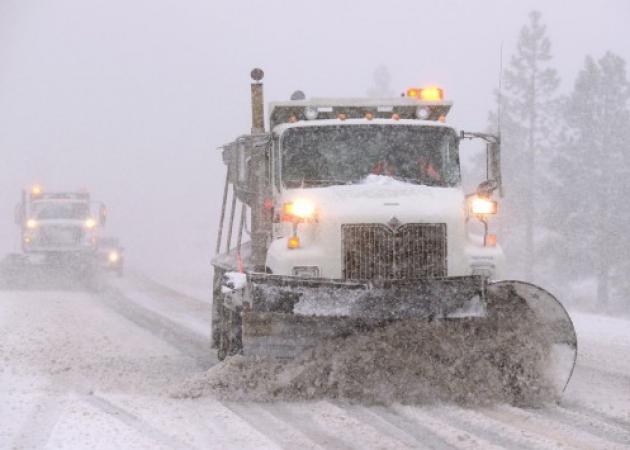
(61, 222)
(379, 199)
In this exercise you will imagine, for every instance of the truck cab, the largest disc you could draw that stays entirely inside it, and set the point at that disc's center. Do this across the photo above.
(371, 189)
(59, 222)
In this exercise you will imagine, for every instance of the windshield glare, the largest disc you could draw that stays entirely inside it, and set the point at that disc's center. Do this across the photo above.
(346, 154)
(60, 210)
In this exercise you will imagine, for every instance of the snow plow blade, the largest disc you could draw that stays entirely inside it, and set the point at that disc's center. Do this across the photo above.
(519, 330)
(56, 271)
(288, 316)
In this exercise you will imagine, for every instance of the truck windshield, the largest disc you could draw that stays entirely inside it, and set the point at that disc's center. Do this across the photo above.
(60, 210)
(346, 154)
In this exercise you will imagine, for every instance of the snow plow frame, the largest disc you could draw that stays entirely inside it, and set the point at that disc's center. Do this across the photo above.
(284, 317)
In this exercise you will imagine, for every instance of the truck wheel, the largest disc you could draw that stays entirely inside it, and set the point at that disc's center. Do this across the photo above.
(217, 306)
(230, 338)
(223, 342)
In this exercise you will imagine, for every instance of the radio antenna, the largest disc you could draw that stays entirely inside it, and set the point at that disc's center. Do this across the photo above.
(500, 96)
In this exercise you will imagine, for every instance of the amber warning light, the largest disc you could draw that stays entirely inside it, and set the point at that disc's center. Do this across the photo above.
(431, 94)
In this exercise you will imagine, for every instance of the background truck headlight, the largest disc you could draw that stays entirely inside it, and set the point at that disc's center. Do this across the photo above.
(90, 223)
(113, 257)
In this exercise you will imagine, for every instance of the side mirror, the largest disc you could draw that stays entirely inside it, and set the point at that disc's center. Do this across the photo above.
(102, 215)
(486, 188)
(19, 214)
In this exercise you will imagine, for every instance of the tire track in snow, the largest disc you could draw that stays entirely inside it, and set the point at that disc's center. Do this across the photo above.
(186, 341)
(343, 422)
(445, 430)
(298, 418)
(477, 425)
(163, 289)
(489, 426)
(591, 423)
(40, 424)
(365, 415)
(135, 422)
(602, 416)
(562, 434)
(423, 434)
(278, 431)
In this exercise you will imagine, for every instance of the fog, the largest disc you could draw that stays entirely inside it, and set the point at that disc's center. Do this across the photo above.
(131, 99)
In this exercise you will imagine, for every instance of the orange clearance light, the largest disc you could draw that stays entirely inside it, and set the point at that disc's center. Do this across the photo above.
(491, 240)
(369, 115)
(431, 94)
(293, 242)
(413, 92)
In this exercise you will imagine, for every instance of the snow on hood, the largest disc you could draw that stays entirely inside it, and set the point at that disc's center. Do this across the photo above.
(378, 198)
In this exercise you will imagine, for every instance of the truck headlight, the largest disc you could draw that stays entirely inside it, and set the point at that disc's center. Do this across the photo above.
(113, 256)
(31, 224)
(89, 223)
(483, 206)
(300, 209)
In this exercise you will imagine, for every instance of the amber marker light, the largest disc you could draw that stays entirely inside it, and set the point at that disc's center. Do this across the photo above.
(431, 94)
(293, 242)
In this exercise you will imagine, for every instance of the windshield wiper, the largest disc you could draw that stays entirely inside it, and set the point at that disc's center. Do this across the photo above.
(308, 182)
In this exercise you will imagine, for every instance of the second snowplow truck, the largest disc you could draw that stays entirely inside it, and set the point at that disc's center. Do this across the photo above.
(349, 216)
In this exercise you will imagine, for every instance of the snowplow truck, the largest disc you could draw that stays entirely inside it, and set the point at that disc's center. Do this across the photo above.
(59, 232)
(349, 216)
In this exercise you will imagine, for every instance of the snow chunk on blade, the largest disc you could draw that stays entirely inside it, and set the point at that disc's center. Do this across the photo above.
(233, 281)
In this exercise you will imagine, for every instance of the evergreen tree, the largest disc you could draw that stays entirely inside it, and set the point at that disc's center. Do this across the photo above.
(593, 176)
(528, 105)
(382, 83)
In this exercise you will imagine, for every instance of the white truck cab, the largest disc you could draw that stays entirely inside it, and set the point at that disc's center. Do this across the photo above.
(370, 189)
(59, 222)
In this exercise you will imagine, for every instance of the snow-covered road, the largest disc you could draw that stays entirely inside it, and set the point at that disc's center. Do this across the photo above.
(97, 370)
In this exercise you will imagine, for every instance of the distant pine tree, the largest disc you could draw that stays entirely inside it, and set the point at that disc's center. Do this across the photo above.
(592, 170)
(382, 83)
(528, 104)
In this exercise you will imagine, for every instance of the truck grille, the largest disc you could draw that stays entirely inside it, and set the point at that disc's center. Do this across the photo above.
(376, 251)
(60, 235)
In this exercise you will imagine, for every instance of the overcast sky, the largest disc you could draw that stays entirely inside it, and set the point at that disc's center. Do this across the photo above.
(131, 98)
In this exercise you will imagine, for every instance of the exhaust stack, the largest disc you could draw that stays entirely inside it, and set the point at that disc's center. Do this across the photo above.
(258, 112)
